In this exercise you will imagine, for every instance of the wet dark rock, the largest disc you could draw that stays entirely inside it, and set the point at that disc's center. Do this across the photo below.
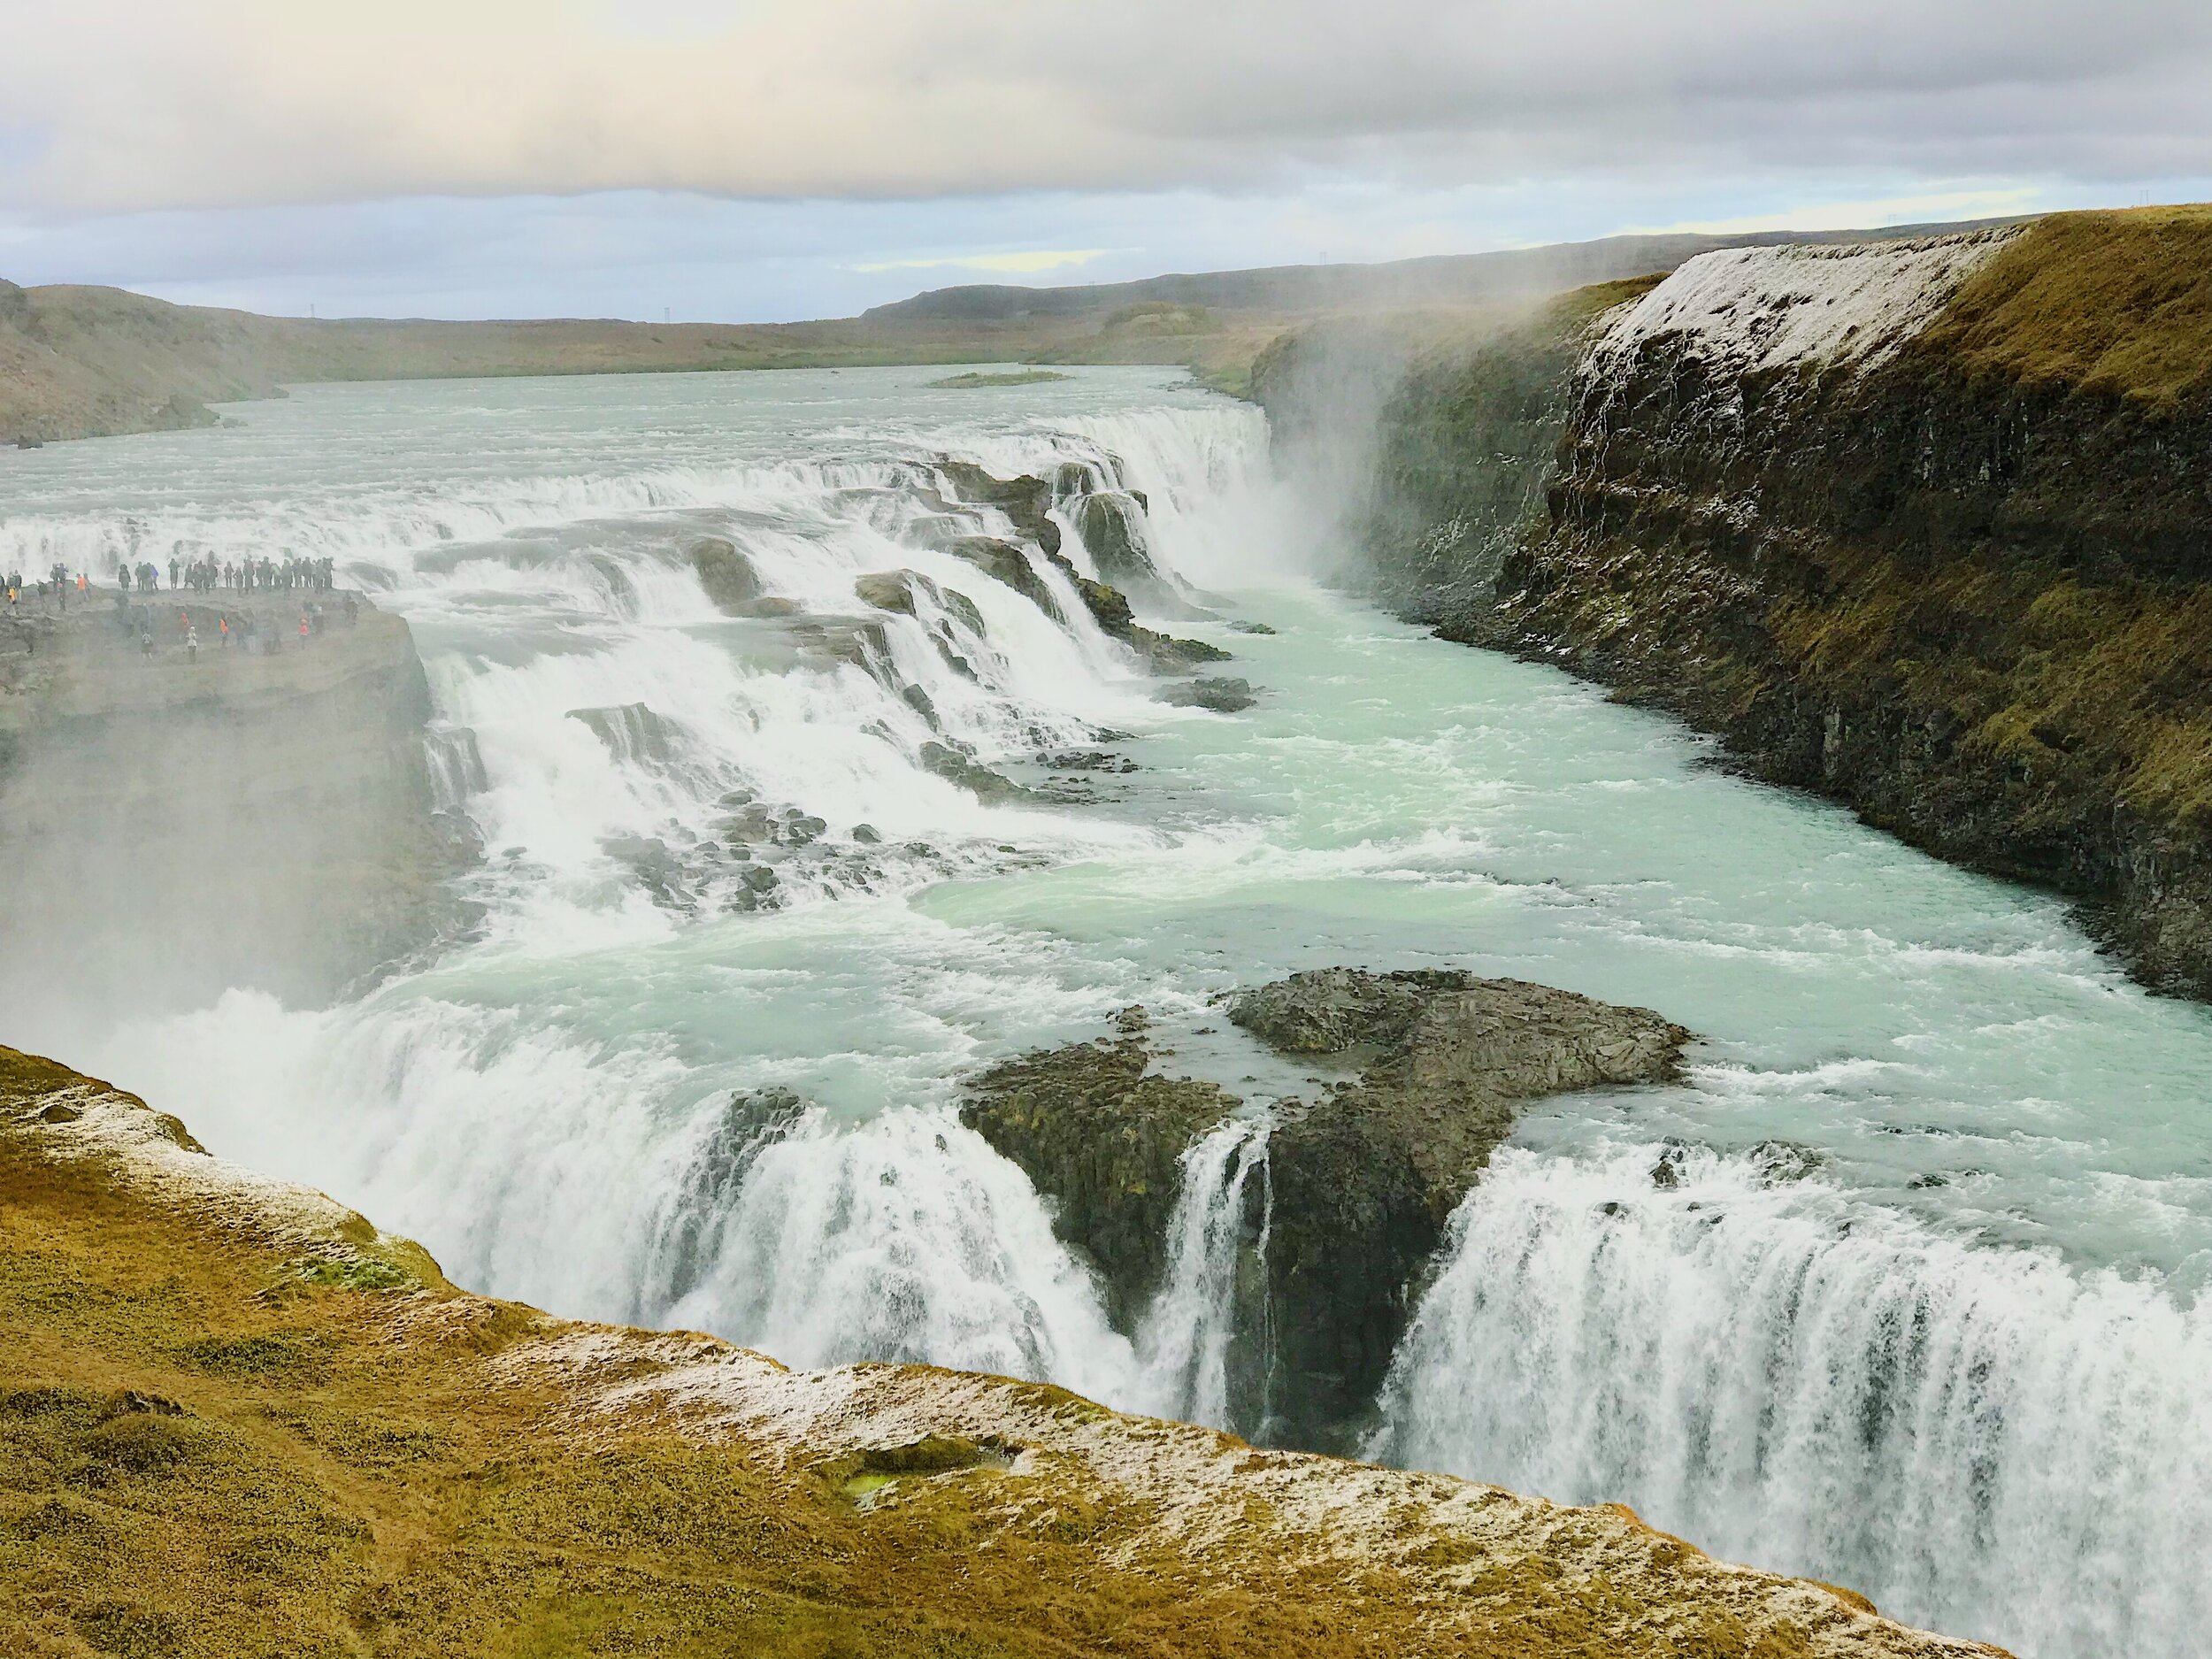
(802, 830)
(1104, 1139)
(1364, 1179)
(861, 644)
(748, 1123)
(631, 731)
(1163, 654)
(1222, 695)
(1027, 501)
(1779, 1162)
(754, 824)
(727, 575)
(1109, 606)
(657, 869)
(1112, 525)
(919, 700)
(1090, 760)
(964, 609)
(867, 835)
(1075, 478)
(888, 590)
(1251, 627)
(949, 763)
(759, 879)
(1003, 562)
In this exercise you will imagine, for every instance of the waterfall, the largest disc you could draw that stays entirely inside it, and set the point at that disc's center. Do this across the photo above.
(907, 1239)
(1203, 1321)
(1985, 1441)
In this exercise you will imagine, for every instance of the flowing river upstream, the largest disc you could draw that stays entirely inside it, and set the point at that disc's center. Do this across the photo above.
(1905, 1288)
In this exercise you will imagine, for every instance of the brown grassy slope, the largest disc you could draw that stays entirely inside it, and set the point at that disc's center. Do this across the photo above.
(2106, 301)
(236, 1420)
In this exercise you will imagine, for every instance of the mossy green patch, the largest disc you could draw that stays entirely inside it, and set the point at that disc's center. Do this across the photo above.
(1015, 377)
(2114, 302)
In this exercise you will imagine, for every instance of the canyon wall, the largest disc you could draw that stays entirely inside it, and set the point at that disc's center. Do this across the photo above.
(1925, 525)
(259, 814)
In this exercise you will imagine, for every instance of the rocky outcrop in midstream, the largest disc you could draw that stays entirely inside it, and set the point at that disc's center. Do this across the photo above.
(236, 1417)
(1109, 521)
(1921, 524)
(1362, 1179)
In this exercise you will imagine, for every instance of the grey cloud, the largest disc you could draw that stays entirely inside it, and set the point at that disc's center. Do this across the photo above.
(131, 105)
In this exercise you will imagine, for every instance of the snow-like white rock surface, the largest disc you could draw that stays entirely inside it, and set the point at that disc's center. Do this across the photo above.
(1745, 310)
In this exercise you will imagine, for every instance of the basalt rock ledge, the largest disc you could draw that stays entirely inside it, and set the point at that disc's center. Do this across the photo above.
(1430, 1071)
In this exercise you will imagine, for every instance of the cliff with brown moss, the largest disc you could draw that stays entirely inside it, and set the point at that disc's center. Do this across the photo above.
(237, 1419)
(1925, 526)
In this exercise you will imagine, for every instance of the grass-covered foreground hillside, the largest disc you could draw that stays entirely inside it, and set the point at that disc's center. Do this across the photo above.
(237, 1420)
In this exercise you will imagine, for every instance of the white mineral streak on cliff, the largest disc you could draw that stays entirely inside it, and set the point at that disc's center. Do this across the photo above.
(152, 1155)
(1744, 310)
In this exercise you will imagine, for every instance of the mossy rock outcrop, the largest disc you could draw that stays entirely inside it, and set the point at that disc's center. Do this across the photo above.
(1093, 1128)
(1364, 1179)
(1025, 501)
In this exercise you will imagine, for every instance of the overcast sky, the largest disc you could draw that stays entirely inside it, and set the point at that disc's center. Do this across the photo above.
(766, 159)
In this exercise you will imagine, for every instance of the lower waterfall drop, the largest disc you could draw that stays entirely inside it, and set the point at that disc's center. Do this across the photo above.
(1986, 1442)
(1203, 1347)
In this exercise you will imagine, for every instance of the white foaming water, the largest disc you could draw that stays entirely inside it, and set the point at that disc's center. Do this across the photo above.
(1963, 1366)
(1183, 1345)
(1789, 1376)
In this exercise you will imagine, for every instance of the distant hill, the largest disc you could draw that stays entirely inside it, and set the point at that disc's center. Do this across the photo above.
(85, 362)
(1439, 280)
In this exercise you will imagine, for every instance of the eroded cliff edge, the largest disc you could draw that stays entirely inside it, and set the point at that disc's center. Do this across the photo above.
(236, 1418)
(259, 814)
(1923, 525)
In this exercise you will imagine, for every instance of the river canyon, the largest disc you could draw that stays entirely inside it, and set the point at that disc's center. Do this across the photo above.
(819, 768)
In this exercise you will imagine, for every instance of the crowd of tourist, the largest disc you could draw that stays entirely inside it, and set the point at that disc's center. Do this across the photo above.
(203, 577)
(210, 574)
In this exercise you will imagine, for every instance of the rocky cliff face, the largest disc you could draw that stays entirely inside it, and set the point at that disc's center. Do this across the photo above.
(172, 827)
(1921, 525)
(237, 1419)
(1361, 1182)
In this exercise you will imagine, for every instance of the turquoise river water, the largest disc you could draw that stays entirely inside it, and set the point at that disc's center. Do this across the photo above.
(1923, 1311)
